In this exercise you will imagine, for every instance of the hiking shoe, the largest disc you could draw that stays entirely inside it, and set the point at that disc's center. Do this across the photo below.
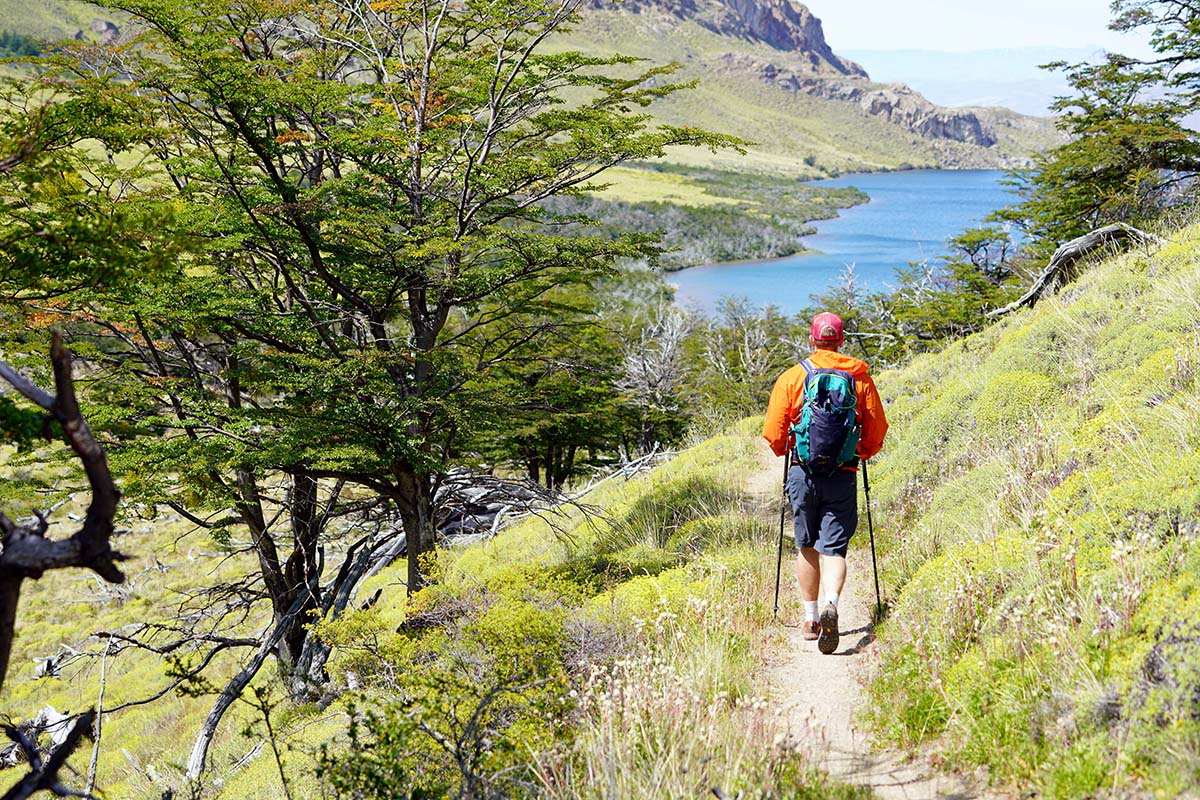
(827, 639)
(809, 630)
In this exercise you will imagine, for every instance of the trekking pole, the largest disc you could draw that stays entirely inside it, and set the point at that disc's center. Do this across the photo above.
(871, 530)
(787, 460)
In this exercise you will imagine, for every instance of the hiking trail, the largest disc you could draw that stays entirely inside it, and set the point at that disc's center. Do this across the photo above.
(821, 695)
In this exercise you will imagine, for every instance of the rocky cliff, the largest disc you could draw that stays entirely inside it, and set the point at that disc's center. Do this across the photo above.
(802, 61)
(782, 24)
(894, 102)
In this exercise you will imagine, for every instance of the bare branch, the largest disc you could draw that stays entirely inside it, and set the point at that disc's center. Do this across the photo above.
(1060, 269)
(25, 551)
(43, 776)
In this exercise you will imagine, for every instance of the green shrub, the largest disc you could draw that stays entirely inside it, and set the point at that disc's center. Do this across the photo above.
(1012, 404)
(1040, 529)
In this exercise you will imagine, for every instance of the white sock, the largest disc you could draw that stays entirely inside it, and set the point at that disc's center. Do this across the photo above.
(810, 610)
(832, 598)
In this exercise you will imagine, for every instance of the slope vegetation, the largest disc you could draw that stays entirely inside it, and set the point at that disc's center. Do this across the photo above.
(804, 116)
(1040, 503)
(763, 71)
(607, 654)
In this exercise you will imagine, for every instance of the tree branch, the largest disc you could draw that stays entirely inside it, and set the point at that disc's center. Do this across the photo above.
(25, 552)
(1060, 270)
(44, 776)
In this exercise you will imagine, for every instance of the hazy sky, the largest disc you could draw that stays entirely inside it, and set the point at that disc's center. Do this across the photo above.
(969, 24)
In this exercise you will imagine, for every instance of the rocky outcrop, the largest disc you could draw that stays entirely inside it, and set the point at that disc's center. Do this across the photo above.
(805, 63)
(901, 105)
(101, 31)
(782, 24)
(895, 103)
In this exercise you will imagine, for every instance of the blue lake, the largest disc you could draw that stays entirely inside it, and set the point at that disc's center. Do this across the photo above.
(909, 218)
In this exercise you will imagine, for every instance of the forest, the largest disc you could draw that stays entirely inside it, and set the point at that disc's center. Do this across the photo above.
(296, 293)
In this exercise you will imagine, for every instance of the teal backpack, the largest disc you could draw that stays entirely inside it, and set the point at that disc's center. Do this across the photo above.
(827, 432)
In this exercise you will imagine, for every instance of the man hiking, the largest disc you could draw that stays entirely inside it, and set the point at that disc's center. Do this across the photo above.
(844, 422)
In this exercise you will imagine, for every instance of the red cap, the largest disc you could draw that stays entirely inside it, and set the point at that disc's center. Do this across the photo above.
(827, 327)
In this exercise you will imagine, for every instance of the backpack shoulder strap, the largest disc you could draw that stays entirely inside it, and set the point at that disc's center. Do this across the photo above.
(808, 368)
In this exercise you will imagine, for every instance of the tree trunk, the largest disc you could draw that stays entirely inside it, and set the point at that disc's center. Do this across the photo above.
(308, 677)
(10, 595)
(302, 571)
(534, 468)
(197, 762)
(552, 466)
(647, 436)
(568, 466)
(1062, 267)
(414, 500)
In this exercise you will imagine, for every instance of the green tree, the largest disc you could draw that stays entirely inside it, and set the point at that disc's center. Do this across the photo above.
(734, 359)
(932, 303)
(57, 231)
(1131, 153)
(568, 401)
(361, 183)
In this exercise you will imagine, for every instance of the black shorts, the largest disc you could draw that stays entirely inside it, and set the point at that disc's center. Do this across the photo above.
(825, 509)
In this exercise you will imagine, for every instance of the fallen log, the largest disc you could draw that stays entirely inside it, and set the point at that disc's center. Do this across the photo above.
(1060, 270)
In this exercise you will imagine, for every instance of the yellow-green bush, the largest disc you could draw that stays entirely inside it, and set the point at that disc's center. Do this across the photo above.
(1042, 536)
(668, 579)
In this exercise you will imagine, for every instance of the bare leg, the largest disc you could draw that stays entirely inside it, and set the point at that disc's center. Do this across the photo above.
(808, 572)
(833, 571)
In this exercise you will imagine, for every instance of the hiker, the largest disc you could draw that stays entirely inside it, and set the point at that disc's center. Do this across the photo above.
(821, 481)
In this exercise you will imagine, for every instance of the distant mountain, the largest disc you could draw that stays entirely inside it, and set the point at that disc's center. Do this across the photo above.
(764, 71)
(767, 73)
(996, 77)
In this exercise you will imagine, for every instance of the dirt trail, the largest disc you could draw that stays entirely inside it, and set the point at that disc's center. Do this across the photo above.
(823, 694)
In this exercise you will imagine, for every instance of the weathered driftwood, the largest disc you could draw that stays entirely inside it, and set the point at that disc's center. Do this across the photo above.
(1061, 269)
(25, 551)
(43, 772)
(47, 723)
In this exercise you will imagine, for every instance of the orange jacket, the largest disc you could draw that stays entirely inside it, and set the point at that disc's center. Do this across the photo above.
(788, 397)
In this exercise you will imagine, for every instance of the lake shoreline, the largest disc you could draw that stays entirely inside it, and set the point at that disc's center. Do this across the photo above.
(837, 213)
(907, 219)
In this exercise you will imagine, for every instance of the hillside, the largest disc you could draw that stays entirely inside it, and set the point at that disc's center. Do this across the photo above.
(1040, 505)
(612, 651)
(1036, 508)
(766, 73)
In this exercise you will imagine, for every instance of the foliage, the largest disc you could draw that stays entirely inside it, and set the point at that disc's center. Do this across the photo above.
(16, 45)
(367, 266)
(931, 304)
(342, 271)
(18, 425)
(1037, 498)
(515, 647)
(1131, 153)
(710, 216)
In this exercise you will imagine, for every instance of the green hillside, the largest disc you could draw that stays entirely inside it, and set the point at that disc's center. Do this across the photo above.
(48, 20)
(1036, 506)
(628, 641)
(793, 133)
(1040, 504)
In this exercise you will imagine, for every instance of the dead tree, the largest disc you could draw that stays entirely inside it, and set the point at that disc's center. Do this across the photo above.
(1062, 267)
(26, 552)
(43, 773)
